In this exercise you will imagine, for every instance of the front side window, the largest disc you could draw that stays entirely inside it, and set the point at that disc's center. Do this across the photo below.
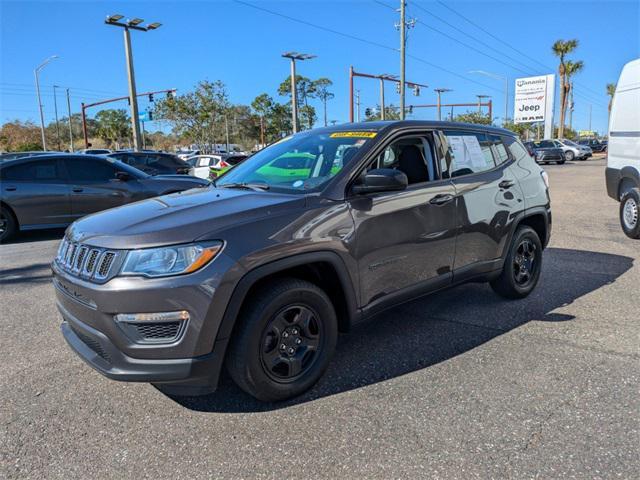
(42, 171)
(89, 170)
(470, 152)
(299, 164)
(411, 155)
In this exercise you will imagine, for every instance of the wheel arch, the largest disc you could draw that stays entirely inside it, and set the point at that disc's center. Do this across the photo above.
(8, 207)
(629, 178)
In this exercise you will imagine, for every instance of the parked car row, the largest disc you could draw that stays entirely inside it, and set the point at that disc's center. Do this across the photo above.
(54, 189)
(558, 151)
(597, 146)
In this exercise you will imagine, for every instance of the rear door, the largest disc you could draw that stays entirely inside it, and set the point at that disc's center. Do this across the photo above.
(94, 186)
(38, 192)
(488, 197)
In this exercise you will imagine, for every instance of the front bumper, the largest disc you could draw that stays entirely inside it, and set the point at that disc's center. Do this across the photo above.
(192, 359)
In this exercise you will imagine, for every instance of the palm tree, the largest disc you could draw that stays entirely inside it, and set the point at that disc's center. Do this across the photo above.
(611, 91)
(561, 48)
(322, 92)
(571, 68)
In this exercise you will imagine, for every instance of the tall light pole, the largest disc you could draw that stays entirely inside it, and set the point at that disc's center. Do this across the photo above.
(69, 118)
(133, 24)
(36, 72)
(440, 91)
(293, 56)
(495, 76)
(381, 98)
(55, 109)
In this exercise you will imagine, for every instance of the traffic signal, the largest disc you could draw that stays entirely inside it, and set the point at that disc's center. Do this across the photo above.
(151, 97)
(150, 115)
(367, 112)
(410, 109)
(416, 90)
(397, 87)
(170, 94)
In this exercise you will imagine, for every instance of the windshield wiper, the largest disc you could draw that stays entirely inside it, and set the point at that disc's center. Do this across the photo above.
(258, 187)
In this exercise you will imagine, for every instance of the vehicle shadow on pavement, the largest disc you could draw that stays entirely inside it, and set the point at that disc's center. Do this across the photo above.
(36, 273)
(35, 236)
(436, 328)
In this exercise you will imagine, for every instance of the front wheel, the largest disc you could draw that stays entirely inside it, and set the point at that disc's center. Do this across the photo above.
(569, 155)
(522, 266)
(8, 225)
(287, 334)
(630, 213)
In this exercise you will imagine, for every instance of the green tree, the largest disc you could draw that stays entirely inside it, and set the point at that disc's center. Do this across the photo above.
(321, 91)
(611, 91)
(198, 116)
(20, 136)
(562, 48)
(391, 112)
(262, 105)
(113, 126)
(305, 90)
(473, 117)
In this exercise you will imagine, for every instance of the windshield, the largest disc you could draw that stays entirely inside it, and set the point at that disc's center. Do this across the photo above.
(569, 142)
(301, 163)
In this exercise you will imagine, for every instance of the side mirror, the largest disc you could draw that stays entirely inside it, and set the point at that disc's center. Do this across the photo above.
(123, 176)
(381, 180)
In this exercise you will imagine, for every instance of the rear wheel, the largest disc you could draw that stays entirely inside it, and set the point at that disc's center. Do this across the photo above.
(560, 162)
(630, 213)
(522, 266)
(283, 345)
(8, 225)
(569, 156)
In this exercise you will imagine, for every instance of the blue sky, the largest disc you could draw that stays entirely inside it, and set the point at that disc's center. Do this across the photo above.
(241, 46)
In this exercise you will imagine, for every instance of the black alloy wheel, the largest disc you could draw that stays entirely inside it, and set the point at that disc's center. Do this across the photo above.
(7, 224)
(524, 263)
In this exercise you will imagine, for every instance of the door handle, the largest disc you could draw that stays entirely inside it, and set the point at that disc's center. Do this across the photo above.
(10, 189)
(77, 190)
(506, 184)
(441, 199)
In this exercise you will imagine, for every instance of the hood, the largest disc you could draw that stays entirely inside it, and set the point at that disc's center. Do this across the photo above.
(179, 177)
(178, 218)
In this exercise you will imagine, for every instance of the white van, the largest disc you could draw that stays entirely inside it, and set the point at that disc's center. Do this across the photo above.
(623, 164)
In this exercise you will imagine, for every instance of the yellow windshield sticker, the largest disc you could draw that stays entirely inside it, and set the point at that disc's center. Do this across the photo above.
(353, 135)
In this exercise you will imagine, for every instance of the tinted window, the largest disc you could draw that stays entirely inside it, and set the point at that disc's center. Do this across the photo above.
(499, 149)
(89, 170)
(43, 171)
(158, 162)
(411, 155)
(547, 144)
(470, 153)
(517, 149)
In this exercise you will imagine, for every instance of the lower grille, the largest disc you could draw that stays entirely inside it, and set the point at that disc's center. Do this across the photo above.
(91, 343)
(158, 331)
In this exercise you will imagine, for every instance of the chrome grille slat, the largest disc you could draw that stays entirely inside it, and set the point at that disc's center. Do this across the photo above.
(86, 261)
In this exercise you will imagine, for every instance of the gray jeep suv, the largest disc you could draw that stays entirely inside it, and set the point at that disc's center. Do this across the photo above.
(262, 270)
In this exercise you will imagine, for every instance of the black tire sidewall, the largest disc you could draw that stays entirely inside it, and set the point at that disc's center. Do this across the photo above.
(254, 378)
(505, 285)
(635, 194)
(10, 229)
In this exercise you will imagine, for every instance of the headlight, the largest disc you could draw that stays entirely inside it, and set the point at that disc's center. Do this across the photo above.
(165, 261)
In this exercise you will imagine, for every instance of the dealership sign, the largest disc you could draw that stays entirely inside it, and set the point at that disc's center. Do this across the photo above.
(534, 101)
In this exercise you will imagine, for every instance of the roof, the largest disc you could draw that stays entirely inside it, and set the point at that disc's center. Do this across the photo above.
(430, 124)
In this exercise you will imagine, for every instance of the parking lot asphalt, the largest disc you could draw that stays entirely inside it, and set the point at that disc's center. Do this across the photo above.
(462, 384)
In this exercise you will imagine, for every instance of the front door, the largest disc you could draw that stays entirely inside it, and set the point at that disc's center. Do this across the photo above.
(405, 240)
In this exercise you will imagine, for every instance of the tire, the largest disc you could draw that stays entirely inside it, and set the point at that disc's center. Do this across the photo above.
(284, 342)
(630, 213)
(8, 224)
(560, 162)
(522, 265)
(569, 155)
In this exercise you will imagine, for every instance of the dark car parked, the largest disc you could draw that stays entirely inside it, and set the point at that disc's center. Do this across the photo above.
(154, 163)
(297, 243)
(595, 144)
(545, 152)
(49, 191)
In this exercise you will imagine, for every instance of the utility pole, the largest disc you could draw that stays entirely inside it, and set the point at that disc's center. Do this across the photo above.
(382, 98)
(439, 91)
(133, 24)
(55, 109)
(403, 25)
(590, 108)
(506, 88)
(36, 74)
(480, 97)
(571, 107)
(69, 118)
(293, 56)
(358, 104)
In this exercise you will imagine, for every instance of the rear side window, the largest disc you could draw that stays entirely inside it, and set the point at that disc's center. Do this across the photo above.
(470, 153)
(517, 149)
(89, 170)
(42, 171)
(499, 149)
(547, 144)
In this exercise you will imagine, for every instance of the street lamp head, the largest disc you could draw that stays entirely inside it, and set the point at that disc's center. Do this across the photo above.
(153, 26)
(114, 18)
(298, 56)
(442, 90)
(134, 22)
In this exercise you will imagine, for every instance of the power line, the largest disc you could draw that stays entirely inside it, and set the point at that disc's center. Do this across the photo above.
(503, 42)
(363, 40)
